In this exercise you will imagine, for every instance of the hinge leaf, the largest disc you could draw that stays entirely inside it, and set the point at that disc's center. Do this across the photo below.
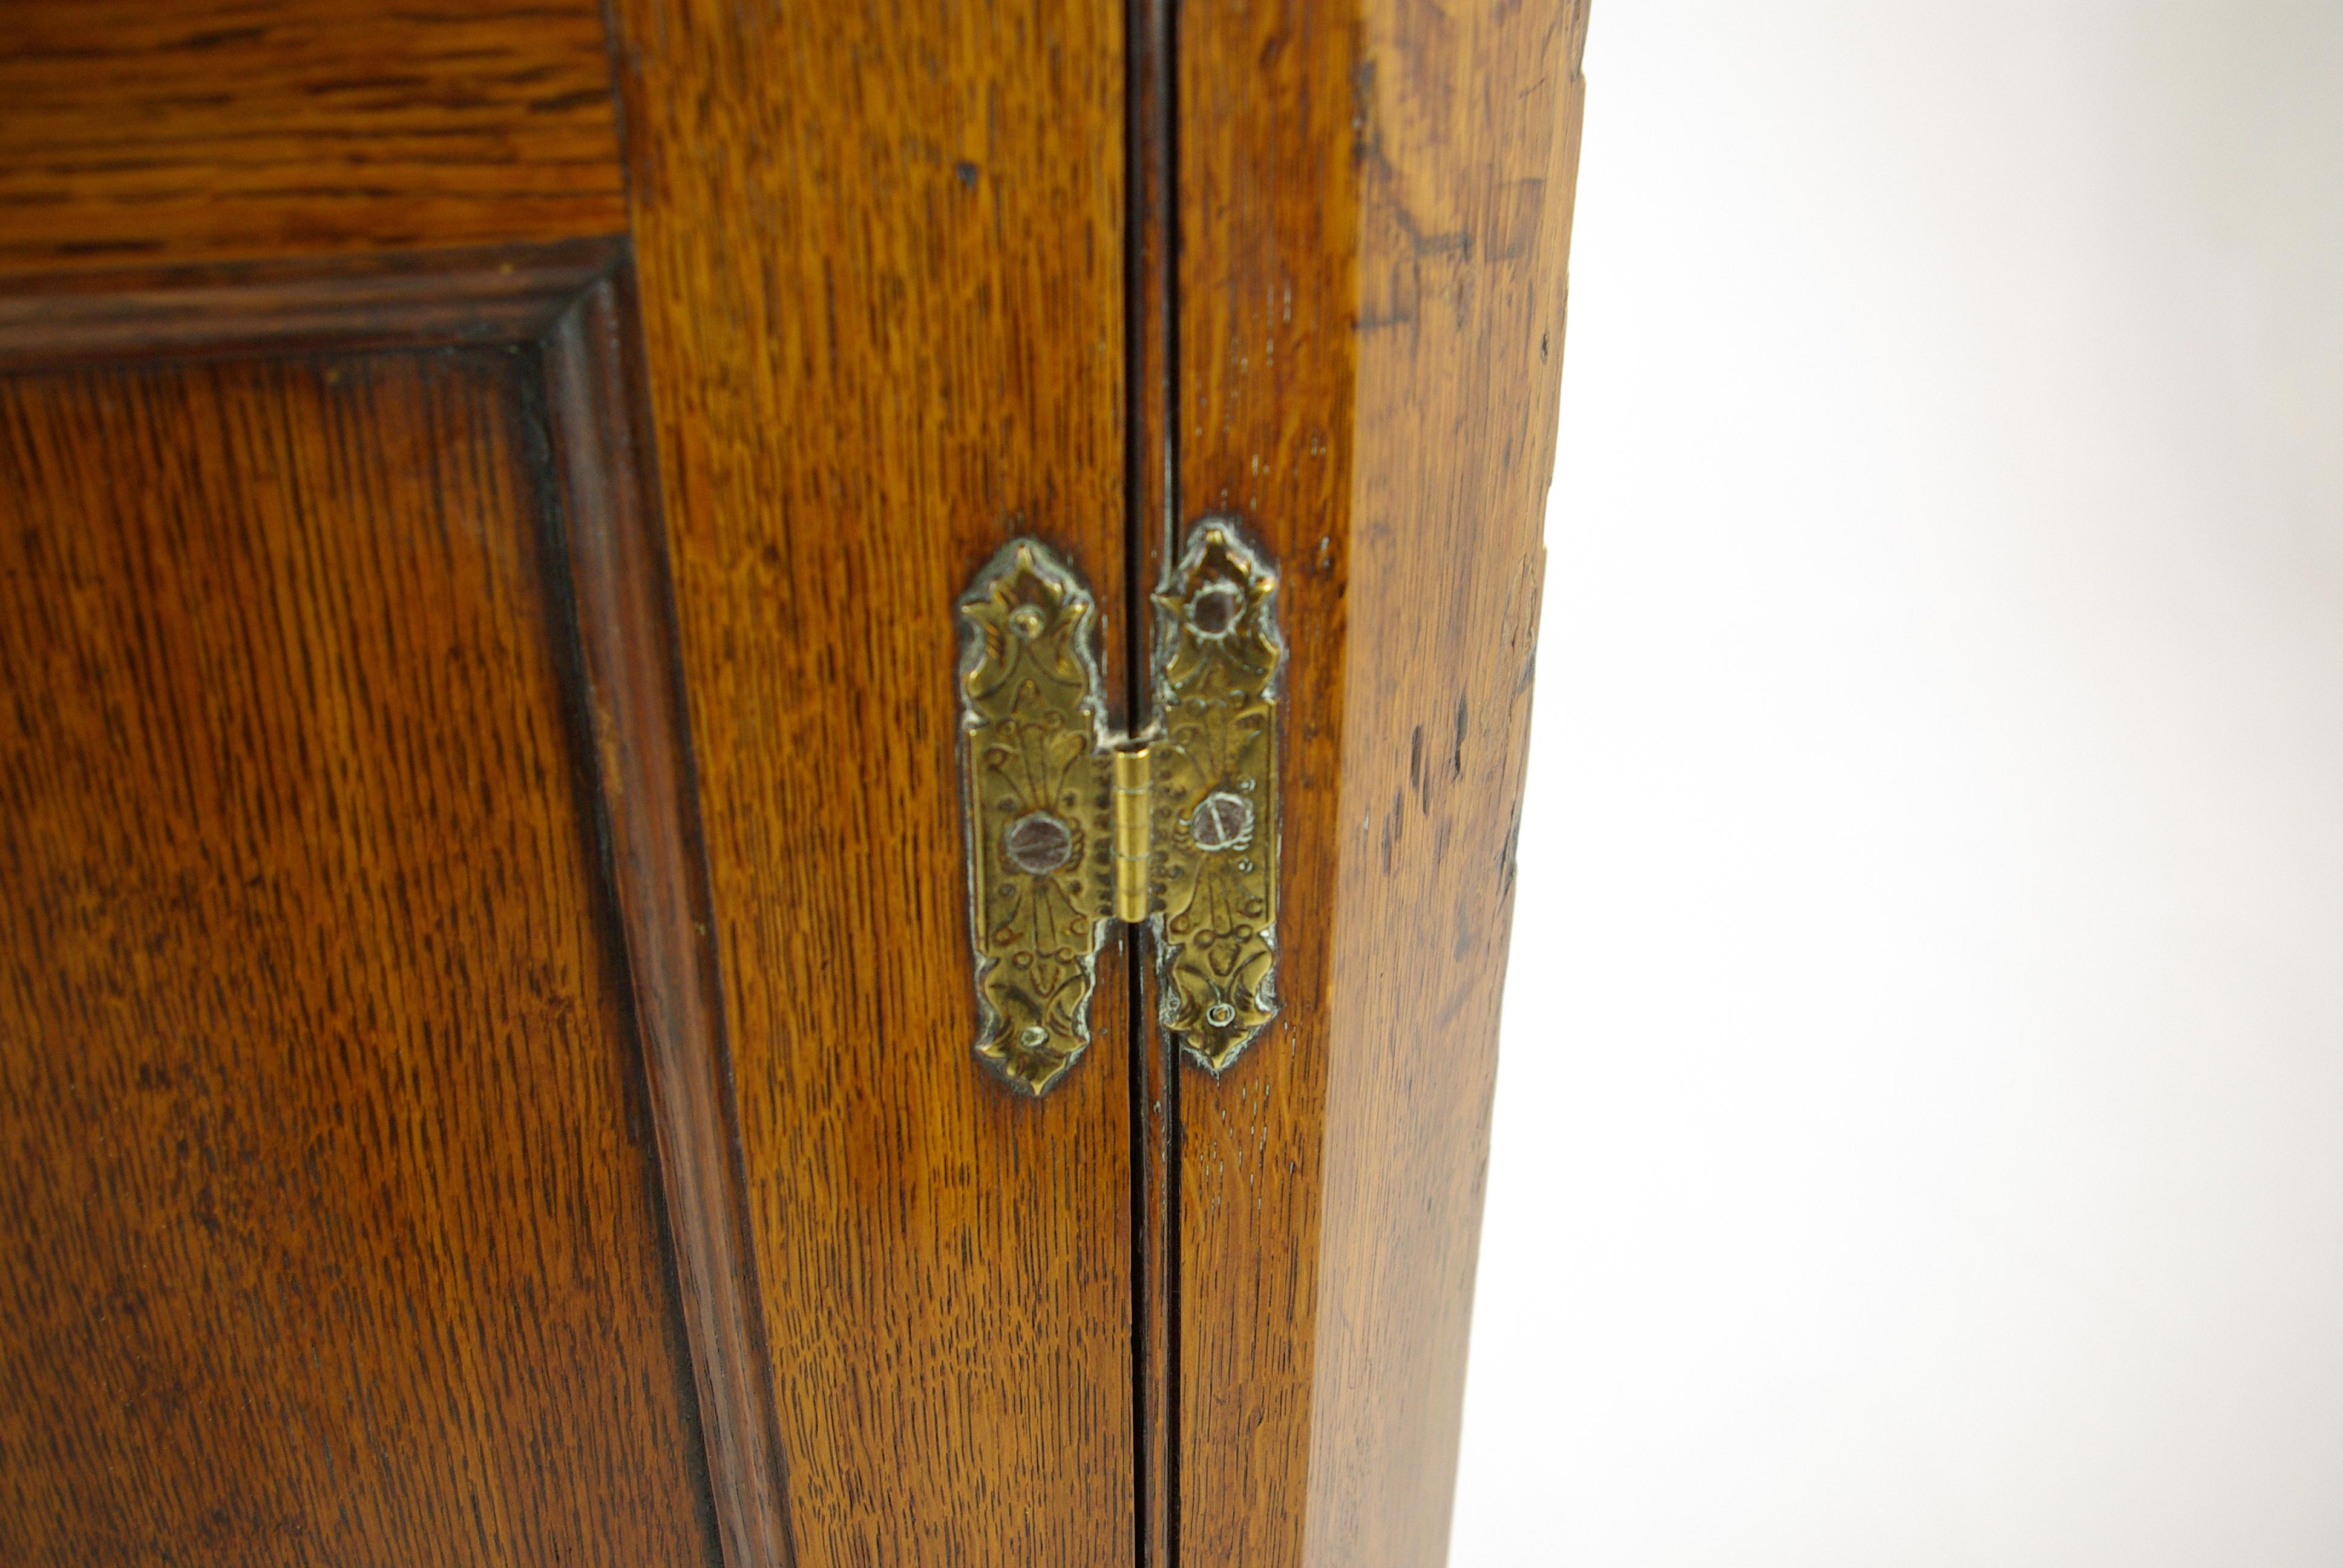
(1036, 800)
(1219, 660)
(1072, 827)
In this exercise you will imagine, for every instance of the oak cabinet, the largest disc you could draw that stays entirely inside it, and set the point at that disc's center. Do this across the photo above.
(488, 1002)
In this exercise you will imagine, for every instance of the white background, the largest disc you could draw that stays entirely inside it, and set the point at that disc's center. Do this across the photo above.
(1919, 1136)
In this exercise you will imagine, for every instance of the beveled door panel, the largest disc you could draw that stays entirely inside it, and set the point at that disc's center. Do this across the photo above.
(334, 1230)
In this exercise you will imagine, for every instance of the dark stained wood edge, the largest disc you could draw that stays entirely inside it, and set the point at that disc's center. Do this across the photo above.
(1150, 456)
(405, 299)
(642, 740)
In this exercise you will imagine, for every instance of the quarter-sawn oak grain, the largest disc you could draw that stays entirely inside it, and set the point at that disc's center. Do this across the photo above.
(1374, 217)
(635, 707)
(333, 1230)
(136, 133)
(880, 261)
(399, 886)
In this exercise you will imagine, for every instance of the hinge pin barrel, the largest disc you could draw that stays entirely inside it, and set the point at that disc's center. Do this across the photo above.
(1132, 830)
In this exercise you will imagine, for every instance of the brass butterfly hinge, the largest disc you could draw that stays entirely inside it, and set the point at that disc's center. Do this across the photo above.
(1074, 827)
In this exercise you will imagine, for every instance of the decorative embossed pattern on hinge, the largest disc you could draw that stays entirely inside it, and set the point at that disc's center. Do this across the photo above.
(1072, 827)
(1214, 778)
(1039, 811)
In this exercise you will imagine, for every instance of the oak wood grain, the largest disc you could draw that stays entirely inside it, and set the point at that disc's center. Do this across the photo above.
(324, 1118)
(635, 712)
(136, 133)
(1374, 228)
(879, 254)
(331, 304)
(334, 1226)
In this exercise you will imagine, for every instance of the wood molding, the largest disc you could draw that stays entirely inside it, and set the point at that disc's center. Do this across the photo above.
(413, 300)
(570, 302)
(333, 1217)
(642, 744)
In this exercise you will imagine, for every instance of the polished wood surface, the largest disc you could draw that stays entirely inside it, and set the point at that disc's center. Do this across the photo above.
(636, 707)
(333, 304)
(880, 258)
(1371, 288)
(141, 134)
(485, 999)
(334, 1230)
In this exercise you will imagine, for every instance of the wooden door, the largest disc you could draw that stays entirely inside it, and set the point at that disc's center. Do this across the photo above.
(1369, 291)
(484, 988)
